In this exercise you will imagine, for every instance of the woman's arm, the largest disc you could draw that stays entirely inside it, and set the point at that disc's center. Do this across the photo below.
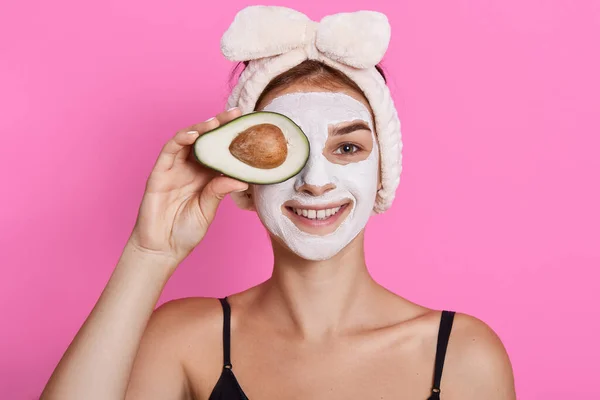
(179, 203)
(98, 362)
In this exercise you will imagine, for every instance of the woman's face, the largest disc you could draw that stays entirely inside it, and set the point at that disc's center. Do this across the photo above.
(323, 208)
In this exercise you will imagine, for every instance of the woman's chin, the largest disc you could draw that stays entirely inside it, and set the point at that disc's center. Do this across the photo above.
(318, 226)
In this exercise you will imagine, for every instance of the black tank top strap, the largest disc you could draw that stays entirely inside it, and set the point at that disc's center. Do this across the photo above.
(445, 328)
(226, 332)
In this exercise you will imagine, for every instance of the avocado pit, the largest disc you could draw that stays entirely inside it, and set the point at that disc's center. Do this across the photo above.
(261, 146)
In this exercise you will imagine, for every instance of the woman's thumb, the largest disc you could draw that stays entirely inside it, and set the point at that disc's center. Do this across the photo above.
(215, 191)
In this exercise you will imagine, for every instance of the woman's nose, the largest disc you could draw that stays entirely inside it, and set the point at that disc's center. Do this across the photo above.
(314, 190)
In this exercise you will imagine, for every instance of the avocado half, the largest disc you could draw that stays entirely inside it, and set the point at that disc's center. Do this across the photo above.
(261, 147)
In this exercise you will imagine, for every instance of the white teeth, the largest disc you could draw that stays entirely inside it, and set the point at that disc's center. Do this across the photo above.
(316, 214)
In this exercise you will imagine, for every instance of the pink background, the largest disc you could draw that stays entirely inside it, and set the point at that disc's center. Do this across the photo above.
(496, 215)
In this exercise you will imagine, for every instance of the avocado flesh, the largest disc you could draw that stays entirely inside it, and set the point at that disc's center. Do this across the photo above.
(212, 149)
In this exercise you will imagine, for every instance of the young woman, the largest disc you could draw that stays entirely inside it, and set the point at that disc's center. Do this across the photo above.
(320, 327)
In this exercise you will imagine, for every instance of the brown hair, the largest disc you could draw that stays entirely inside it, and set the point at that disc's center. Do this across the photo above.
(313, 72)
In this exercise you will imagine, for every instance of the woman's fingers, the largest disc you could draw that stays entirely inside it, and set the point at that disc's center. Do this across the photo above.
(223, 118)
(181, 141)
(215, 191)
(179, 147)
(228, 115)
(184, 153)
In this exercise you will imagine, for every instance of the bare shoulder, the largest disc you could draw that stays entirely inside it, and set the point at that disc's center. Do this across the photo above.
(181, 331)
(189, 319)
(177, 334)
(188, 311)
(477, 364)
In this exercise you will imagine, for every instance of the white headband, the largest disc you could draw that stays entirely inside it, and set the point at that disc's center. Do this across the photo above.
(275, 39)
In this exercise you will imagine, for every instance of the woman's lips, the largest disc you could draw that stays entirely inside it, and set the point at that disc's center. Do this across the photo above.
(317, 217)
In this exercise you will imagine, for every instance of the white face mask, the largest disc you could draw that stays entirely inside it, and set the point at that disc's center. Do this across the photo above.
(314, 112)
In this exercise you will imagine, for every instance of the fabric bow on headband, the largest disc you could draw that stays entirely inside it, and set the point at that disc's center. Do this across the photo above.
(357, 39)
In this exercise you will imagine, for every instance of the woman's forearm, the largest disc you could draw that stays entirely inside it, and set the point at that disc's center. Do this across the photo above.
(98, 362)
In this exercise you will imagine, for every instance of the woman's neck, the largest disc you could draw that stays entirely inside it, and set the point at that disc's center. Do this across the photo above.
(321, 298)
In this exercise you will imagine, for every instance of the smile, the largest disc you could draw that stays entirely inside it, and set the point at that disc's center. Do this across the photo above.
(315, 213)
(313, 219)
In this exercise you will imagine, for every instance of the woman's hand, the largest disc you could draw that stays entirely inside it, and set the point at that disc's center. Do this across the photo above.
(181, 196)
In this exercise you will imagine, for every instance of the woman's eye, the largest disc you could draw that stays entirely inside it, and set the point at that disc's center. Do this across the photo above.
(347, 148)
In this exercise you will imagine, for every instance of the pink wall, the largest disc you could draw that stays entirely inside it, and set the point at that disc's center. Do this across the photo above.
(497, 213)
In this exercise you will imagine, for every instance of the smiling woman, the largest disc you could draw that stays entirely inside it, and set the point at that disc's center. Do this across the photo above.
(321, 326)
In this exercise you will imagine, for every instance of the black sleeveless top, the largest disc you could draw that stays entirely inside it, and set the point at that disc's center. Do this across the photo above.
(228, 388)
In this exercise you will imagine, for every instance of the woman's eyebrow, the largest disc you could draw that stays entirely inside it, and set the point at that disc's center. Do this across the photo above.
(355, 126)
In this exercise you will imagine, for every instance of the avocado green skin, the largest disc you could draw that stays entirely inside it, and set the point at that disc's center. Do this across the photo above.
(253, 114)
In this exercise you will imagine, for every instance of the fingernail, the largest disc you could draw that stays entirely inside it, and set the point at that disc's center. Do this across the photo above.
(233, 108)
(192, 132)
(210, 119)
(241, 190)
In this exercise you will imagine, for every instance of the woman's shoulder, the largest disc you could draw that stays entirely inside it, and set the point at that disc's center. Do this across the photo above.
(179, 324)
(190, 313)
(466, 328)
(188, 327)
(475, 340)
(201, 315)
(468, 333)
(183, 335)
(476, 359)
(470, 340)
